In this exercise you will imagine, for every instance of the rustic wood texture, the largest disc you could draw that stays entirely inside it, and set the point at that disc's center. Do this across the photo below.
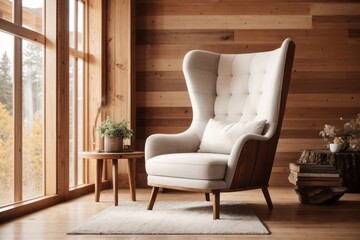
(325, 81)
(120, 87)
(95, 73)
(347, 163)
(319, 195)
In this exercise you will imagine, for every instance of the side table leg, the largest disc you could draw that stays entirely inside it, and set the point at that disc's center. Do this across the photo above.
(99, 170)
(115, 180)
(132, 179)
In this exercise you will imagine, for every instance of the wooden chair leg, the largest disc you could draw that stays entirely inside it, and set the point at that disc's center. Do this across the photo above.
(267, 197)
(207, 197)
(154, 193)
(216, 205)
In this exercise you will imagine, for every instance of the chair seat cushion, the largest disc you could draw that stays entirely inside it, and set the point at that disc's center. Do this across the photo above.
(206, 166)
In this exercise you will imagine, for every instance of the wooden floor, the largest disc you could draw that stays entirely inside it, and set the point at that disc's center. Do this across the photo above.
(288, 220)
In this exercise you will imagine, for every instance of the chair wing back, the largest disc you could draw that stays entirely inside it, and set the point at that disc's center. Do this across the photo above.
(235, 87)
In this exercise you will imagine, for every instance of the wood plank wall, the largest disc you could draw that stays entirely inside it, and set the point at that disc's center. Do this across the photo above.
(119, 72)
(326, 74)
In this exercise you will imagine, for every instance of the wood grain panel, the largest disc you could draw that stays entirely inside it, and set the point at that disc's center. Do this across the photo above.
(170, 122)
(308, 36)
(228, 22)
(119, 67)
(323, 50)
(320, 112)
(334, 9)
(163, 99)
(336, 21)
(299, 144)
(309, 123)
(326, 82)
(329, 65)
(304, 133)
(147, 131)
(180, 36)
(354, 33)
(159, 65)
(164, 112)
(213, 8)
(119, 58)
(169, 51)
(323, 100)
(326, 75)
(160, 81)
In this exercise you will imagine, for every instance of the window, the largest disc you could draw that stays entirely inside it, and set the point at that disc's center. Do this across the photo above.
(21, 102)
(76, 91)
(32, 119)
(42, 92)
(6, 119)
(32, 14)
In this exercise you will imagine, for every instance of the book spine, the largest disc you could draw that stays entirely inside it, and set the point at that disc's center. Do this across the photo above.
(317, 183)
(317, 174)
(312, 168)
(298, 178)
(334, 183)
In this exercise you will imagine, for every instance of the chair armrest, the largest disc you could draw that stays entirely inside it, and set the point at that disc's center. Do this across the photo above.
(159, 144)
(236, 151)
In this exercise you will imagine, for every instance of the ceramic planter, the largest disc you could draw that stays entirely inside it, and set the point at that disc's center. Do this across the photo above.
(113, 144)
(335, 147)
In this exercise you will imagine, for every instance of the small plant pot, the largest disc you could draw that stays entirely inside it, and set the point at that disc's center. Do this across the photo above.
(335, 147)
(113, 144)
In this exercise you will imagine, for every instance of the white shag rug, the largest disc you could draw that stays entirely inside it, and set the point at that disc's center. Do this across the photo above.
(173, 218)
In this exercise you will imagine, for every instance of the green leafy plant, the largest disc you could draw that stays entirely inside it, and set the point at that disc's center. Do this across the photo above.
(109, 128)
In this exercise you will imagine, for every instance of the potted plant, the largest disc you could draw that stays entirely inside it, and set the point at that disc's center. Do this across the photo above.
(114, 133)
(346, 138)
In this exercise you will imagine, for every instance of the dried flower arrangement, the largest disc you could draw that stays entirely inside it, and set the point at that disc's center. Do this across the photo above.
(349, 135)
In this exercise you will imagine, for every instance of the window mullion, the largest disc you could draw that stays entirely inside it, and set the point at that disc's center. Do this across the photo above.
(76, 25)
(75, 143)
(18, 158)
(75, 124)
(17, 119)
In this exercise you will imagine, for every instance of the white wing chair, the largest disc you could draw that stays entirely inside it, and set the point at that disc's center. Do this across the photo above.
(225, 90)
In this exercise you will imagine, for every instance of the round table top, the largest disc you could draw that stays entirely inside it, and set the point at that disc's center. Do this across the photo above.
(111, 155)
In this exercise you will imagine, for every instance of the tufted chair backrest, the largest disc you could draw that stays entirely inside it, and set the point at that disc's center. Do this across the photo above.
(235, 87)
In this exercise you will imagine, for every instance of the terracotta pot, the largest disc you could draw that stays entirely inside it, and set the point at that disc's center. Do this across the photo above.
(113, 144)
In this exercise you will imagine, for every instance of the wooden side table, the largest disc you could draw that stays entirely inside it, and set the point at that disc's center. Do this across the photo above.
(101, 156)
(347, 163)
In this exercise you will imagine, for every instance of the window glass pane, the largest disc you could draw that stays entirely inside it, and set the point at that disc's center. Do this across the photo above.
(71, 122)
(6, 119)
(80, 124)
(71, 23)
(80, 26)
(6, 7)
(33, 125)
(32, 13)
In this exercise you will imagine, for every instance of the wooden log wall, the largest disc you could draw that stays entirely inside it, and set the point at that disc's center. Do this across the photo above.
(326, 75)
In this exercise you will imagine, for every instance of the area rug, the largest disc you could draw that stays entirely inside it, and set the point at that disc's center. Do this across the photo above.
(173, 218)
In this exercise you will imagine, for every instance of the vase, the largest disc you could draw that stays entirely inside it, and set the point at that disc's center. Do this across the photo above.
(335, 147)
(113, 144)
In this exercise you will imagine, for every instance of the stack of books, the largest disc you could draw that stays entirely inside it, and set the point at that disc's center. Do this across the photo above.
(306, 174)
